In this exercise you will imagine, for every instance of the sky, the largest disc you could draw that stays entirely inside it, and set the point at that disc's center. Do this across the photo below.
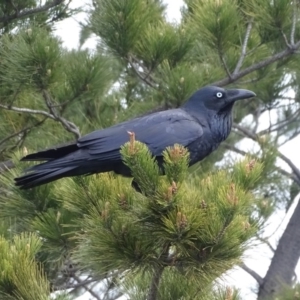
(256, 258)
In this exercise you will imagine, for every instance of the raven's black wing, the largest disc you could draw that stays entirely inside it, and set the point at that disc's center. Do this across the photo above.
(157, 131)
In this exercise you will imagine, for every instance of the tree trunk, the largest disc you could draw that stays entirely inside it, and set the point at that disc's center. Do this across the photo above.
(284, 261)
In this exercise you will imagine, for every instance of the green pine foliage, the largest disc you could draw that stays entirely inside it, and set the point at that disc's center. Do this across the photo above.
(21, 277)
(169, 229)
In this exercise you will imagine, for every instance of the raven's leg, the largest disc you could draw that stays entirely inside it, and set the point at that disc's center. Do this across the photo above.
(135, 185)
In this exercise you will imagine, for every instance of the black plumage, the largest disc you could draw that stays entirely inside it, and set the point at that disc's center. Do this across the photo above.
(200, 124)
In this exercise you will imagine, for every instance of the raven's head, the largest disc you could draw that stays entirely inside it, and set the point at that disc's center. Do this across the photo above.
(217, 99)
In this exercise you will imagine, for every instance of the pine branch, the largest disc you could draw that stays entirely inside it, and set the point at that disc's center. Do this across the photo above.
(153, 290)
(56, 18)
(264, 63)
(29, 12)
(244, 48)
(252, 273)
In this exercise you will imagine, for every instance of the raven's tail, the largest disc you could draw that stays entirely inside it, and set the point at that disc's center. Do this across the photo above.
(42, 176)
(52, 153)
(55, 168)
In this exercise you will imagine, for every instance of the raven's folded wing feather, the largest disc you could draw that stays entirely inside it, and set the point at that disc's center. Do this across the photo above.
(156, 131)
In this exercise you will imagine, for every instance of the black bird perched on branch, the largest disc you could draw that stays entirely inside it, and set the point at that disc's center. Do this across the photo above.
(200, 125)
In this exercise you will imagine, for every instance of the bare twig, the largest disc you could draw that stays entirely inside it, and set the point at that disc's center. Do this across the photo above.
(6, 165)
(71, 127)
(248, 133)
(28, 111)
(244, 48)
(263, 63)
(281, 124)
(147, 78)
(29, 12)
(285, 39)
(111, 285)
(222, 59)
(295, 134)
(292, 38)
(252, 273)
(234, 149)
(265, 241)
(73, 285)
(295, 170)
(85, 286)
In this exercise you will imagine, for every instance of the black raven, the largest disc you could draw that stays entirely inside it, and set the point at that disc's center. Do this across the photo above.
(200, 124)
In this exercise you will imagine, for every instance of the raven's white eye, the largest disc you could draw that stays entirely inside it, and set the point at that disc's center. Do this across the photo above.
(219, 95)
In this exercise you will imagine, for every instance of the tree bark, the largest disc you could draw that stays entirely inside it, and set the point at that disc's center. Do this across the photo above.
(284, 261)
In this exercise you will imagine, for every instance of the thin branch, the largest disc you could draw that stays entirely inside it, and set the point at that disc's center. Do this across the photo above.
(111, 286)
(280, 125)
(221, 56)
(289, 175)
(28, 111)
(292, 38)
(244, 47)
(295, 134)
(153, 290)
(248, 133)
(29, 12)
(234, 149)
(87, 288)
(6, 165)
(285, 39)
(265, 242)
(71, 127)
(295, 170)
(252, 273)
(147, 79)
(234, 77)
(21, 131)
(73, 285)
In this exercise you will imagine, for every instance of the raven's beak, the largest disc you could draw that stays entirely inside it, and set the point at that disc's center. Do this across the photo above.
(234, 95)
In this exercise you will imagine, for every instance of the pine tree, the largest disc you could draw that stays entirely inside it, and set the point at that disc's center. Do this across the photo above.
(176, 238)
